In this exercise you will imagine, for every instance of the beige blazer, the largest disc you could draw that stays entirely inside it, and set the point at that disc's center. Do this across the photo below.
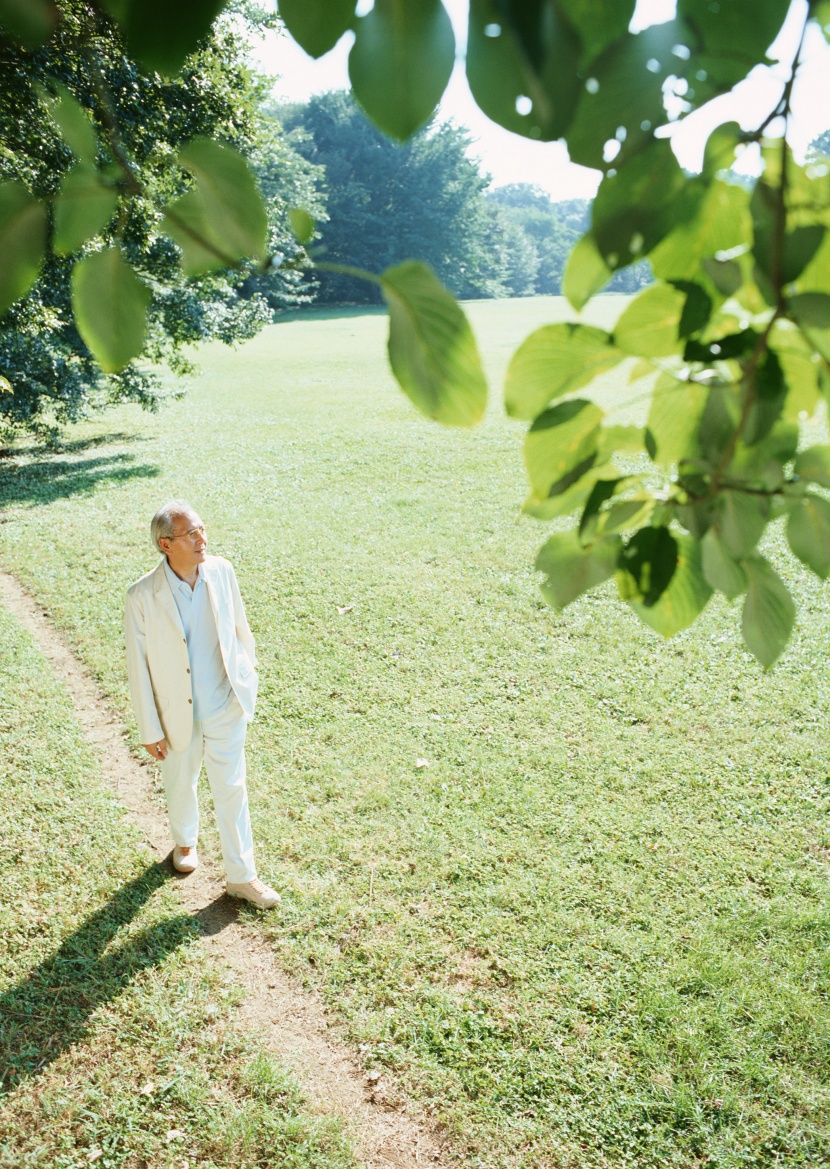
(157, 663)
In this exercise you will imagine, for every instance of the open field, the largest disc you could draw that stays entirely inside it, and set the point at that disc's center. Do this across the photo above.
(594, 930)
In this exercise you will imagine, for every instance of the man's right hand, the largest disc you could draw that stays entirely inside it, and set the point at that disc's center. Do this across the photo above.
(157, 750)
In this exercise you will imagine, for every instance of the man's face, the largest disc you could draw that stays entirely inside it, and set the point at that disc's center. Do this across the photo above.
(186, 547)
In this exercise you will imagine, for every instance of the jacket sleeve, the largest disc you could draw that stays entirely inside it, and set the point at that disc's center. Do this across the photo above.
(243, 629)
(141, 688)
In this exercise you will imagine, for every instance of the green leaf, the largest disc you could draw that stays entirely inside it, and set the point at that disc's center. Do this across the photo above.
(674, 418)
(301, 224)
(631, 439)
(636, 207)
(29, 21)
(561, 446)
(739, 29)
(110, 307)
(646, 565)
(722, 571)
(22, 241)
(432, 349)
(719, 222)
(553, 361)
(623, 89)
(598, 22)
(685, 596)
(814, 464)
(572, 569)
(317, 25)
(74, 123)
(800, 245)
(223, 219)
(719, 153)
(811, 312)
(808, 533)
(570, 498)
(741, 521)
(586, 273)
(82, 209)
(649, 326)
(401, 62)
(161, 35)
(768, 613)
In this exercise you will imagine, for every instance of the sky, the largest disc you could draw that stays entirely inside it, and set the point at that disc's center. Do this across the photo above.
(509, 158)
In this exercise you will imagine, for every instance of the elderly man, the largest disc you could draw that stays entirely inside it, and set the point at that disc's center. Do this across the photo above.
(190, 661)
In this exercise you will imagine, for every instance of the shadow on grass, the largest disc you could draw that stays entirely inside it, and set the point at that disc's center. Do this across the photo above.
(49, 1010)
(48, 479)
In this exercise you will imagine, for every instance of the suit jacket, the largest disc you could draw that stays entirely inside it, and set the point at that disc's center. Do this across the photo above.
(158, 666)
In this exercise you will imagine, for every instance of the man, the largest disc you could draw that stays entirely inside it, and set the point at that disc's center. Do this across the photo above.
(190, 662)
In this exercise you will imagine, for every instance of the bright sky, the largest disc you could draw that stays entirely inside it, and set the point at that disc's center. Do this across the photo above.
(511, 159)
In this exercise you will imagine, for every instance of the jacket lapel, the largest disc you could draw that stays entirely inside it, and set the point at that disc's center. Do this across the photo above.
(165, 597)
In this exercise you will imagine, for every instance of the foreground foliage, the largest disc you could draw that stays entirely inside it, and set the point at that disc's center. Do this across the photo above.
(734, 334)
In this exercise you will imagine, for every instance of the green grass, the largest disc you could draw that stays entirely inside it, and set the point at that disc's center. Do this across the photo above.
(118, 1046)
(594, 930)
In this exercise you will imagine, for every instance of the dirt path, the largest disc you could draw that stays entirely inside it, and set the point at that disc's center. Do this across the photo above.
(291, 1020)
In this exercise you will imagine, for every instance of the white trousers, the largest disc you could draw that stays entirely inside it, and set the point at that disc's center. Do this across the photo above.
(220, 742)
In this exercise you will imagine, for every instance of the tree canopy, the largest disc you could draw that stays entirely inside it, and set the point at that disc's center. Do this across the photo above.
(732, 335)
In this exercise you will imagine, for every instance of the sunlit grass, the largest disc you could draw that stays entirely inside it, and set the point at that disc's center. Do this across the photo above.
(568, 880)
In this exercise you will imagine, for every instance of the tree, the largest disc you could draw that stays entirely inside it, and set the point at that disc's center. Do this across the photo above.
(554, 229)
(387, 201)
(734, 332)
(50, 373)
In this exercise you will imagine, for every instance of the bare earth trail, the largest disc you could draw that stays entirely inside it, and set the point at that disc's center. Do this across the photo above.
(291, 1021)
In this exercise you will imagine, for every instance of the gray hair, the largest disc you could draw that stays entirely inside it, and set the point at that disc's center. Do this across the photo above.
(161, 525)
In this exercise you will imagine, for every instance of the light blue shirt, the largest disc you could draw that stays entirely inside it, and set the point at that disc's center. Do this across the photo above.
(209, 680)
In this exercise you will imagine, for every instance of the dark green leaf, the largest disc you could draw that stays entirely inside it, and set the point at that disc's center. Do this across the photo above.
(808, 532)
(649, 326)
(301, 223)
(770, 393)
(741, 521)
(685, 596)
(811, 308)
(22, 241)
(635, 208)
(570, 498)
(718, 422)
(726, 275)
(601, 492)
(561, 446)
(110, 307)
(553, 361)
(432, 349)
(725, 348)
(623, 90)
(82, 209)
(572, 569)
(223, 219)
(646, 565)
(722, 571)
(586, 273)
(697, 308)
(769, 612)
(317, 25)
(598, 22)
(522, 62)
(401, 62)
(800, 245)
(161, 35)
(29, 21)
(814, 464)
(734, 35)
(72, 120)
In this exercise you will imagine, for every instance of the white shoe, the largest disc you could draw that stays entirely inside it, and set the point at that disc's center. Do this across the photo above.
(185, 859)
(255, 892)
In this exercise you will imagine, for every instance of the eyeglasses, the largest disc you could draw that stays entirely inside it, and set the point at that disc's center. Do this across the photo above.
(191, 535)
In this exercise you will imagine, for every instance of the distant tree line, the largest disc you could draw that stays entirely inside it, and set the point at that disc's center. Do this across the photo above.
(380, 202)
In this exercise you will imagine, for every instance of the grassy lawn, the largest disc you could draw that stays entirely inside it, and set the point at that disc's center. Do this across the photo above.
(593, 930)
(118, 1045)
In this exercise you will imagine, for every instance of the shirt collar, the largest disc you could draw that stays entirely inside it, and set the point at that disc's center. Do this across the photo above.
(176, 582)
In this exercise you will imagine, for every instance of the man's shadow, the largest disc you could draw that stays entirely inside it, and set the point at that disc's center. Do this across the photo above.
(48, 1010)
